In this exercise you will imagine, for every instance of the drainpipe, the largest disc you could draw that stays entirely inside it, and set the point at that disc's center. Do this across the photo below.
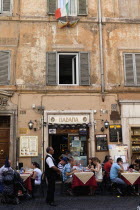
(101, 49)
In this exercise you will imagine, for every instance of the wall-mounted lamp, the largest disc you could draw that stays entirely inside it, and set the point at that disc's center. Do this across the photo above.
(73, 126)
(61, 126)
(84, 125)
(55, 126)
(89, 124)
(30, 125)
(106, 124)
(67, 126)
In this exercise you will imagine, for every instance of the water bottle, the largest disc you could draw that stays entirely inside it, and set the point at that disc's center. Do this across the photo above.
(81, 168)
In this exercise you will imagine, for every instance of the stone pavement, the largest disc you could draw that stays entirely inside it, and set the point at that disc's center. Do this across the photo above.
(96, 202)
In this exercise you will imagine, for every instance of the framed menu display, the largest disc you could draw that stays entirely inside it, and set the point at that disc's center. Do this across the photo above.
(115, 132)
(101, 142)
(28, 146)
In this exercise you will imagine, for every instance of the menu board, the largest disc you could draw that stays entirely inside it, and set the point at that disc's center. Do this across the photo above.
(101, 142)
(28, 146)
(116, 151)
(115, 132)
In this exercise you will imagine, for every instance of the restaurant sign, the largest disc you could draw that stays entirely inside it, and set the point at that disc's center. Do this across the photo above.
(68, 119)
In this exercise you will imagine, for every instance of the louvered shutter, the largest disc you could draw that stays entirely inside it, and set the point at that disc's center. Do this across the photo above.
(129, 69)
(82, 7)
(51, 68)
(4, 67)
(137, 60)
(84, 68)
(0, 7)
(6, 6)
(51, 6)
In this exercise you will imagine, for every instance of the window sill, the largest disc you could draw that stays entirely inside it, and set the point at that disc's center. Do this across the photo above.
(69, 15)
(132, 86)
(68, 85)
(6, 14)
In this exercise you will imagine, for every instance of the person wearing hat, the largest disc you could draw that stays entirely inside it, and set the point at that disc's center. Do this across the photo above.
(62, 163)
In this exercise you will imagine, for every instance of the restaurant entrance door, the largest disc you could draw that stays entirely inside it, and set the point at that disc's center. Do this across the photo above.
(59, 144)
(4, 138)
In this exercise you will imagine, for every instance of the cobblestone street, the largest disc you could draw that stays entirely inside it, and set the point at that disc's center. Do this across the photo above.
(96, 202)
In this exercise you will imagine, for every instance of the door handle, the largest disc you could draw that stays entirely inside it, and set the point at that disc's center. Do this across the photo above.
(1, 152)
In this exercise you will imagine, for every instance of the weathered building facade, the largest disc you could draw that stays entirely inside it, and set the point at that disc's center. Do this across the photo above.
(68, 81)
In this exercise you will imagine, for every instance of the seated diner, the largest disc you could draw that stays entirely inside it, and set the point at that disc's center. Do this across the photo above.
(97, 169)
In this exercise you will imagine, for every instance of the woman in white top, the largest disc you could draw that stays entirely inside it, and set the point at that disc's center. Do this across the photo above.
(36, 173)
(97, 169)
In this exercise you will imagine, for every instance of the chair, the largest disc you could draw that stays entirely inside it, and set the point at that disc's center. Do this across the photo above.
(106, 181)
(100, 188)
(116, 189)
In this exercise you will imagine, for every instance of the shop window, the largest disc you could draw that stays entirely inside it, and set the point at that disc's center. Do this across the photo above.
(75, 7)
(68, 68)
(132, 69)
(4, 67)
(5, 6)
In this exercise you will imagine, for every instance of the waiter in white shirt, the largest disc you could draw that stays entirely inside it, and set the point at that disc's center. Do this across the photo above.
(50, 171)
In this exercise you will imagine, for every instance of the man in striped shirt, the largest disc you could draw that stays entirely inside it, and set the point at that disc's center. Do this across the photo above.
(62, 163)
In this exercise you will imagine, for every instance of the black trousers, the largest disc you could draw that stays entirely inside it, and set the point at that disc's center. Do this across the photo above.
(50, 190)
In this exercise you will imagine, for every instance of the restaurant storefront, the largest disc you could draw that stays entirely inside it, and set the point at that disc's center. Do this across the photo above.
(70, 130)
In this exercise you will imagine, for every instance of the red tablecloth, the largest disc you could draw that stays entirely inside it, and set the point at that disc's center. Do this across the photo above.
(28, 184)
(127, 181)
(77, 182)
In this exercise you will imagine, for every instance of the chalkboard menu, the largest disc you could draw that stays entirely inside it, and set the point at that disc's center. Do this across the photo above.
(115, 132)
(101, 142)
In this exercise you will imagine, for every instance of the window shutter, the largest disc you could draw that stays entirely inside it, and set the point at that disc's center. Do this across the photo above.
(51, 6)
(82, 7)
(51, 68)
(4, 67)
(0, 7)
(84, 68)
(129, 69)
(6, 5)
(137, 60)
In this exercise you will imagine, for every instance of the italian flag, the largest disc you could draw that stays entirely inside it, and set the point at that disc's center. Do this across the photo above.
(62, 12)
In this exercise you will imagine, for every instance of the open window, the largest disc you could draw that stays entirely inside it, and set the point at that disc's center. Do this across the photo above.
(68, 69)
(72, 6)
(76, 7)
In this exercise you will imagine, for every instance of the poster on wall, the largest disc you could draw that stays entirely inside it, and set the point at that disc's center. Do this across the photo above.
(28, 146)
(118, 151)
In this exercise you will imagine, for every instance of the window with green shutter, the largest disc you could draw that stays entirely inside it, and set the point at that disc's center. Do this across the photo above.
(132, 69)
(51, 6)
(84, 68)
(5, 6)
(51, 68)
(76, 7)
(68, 68)
(82, 7)
(4, 67)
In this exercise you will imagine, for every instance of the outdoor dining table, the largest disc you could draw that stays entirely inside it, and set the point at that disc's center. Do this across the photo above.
(27, 180)
(131, 178)
(84, 179)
